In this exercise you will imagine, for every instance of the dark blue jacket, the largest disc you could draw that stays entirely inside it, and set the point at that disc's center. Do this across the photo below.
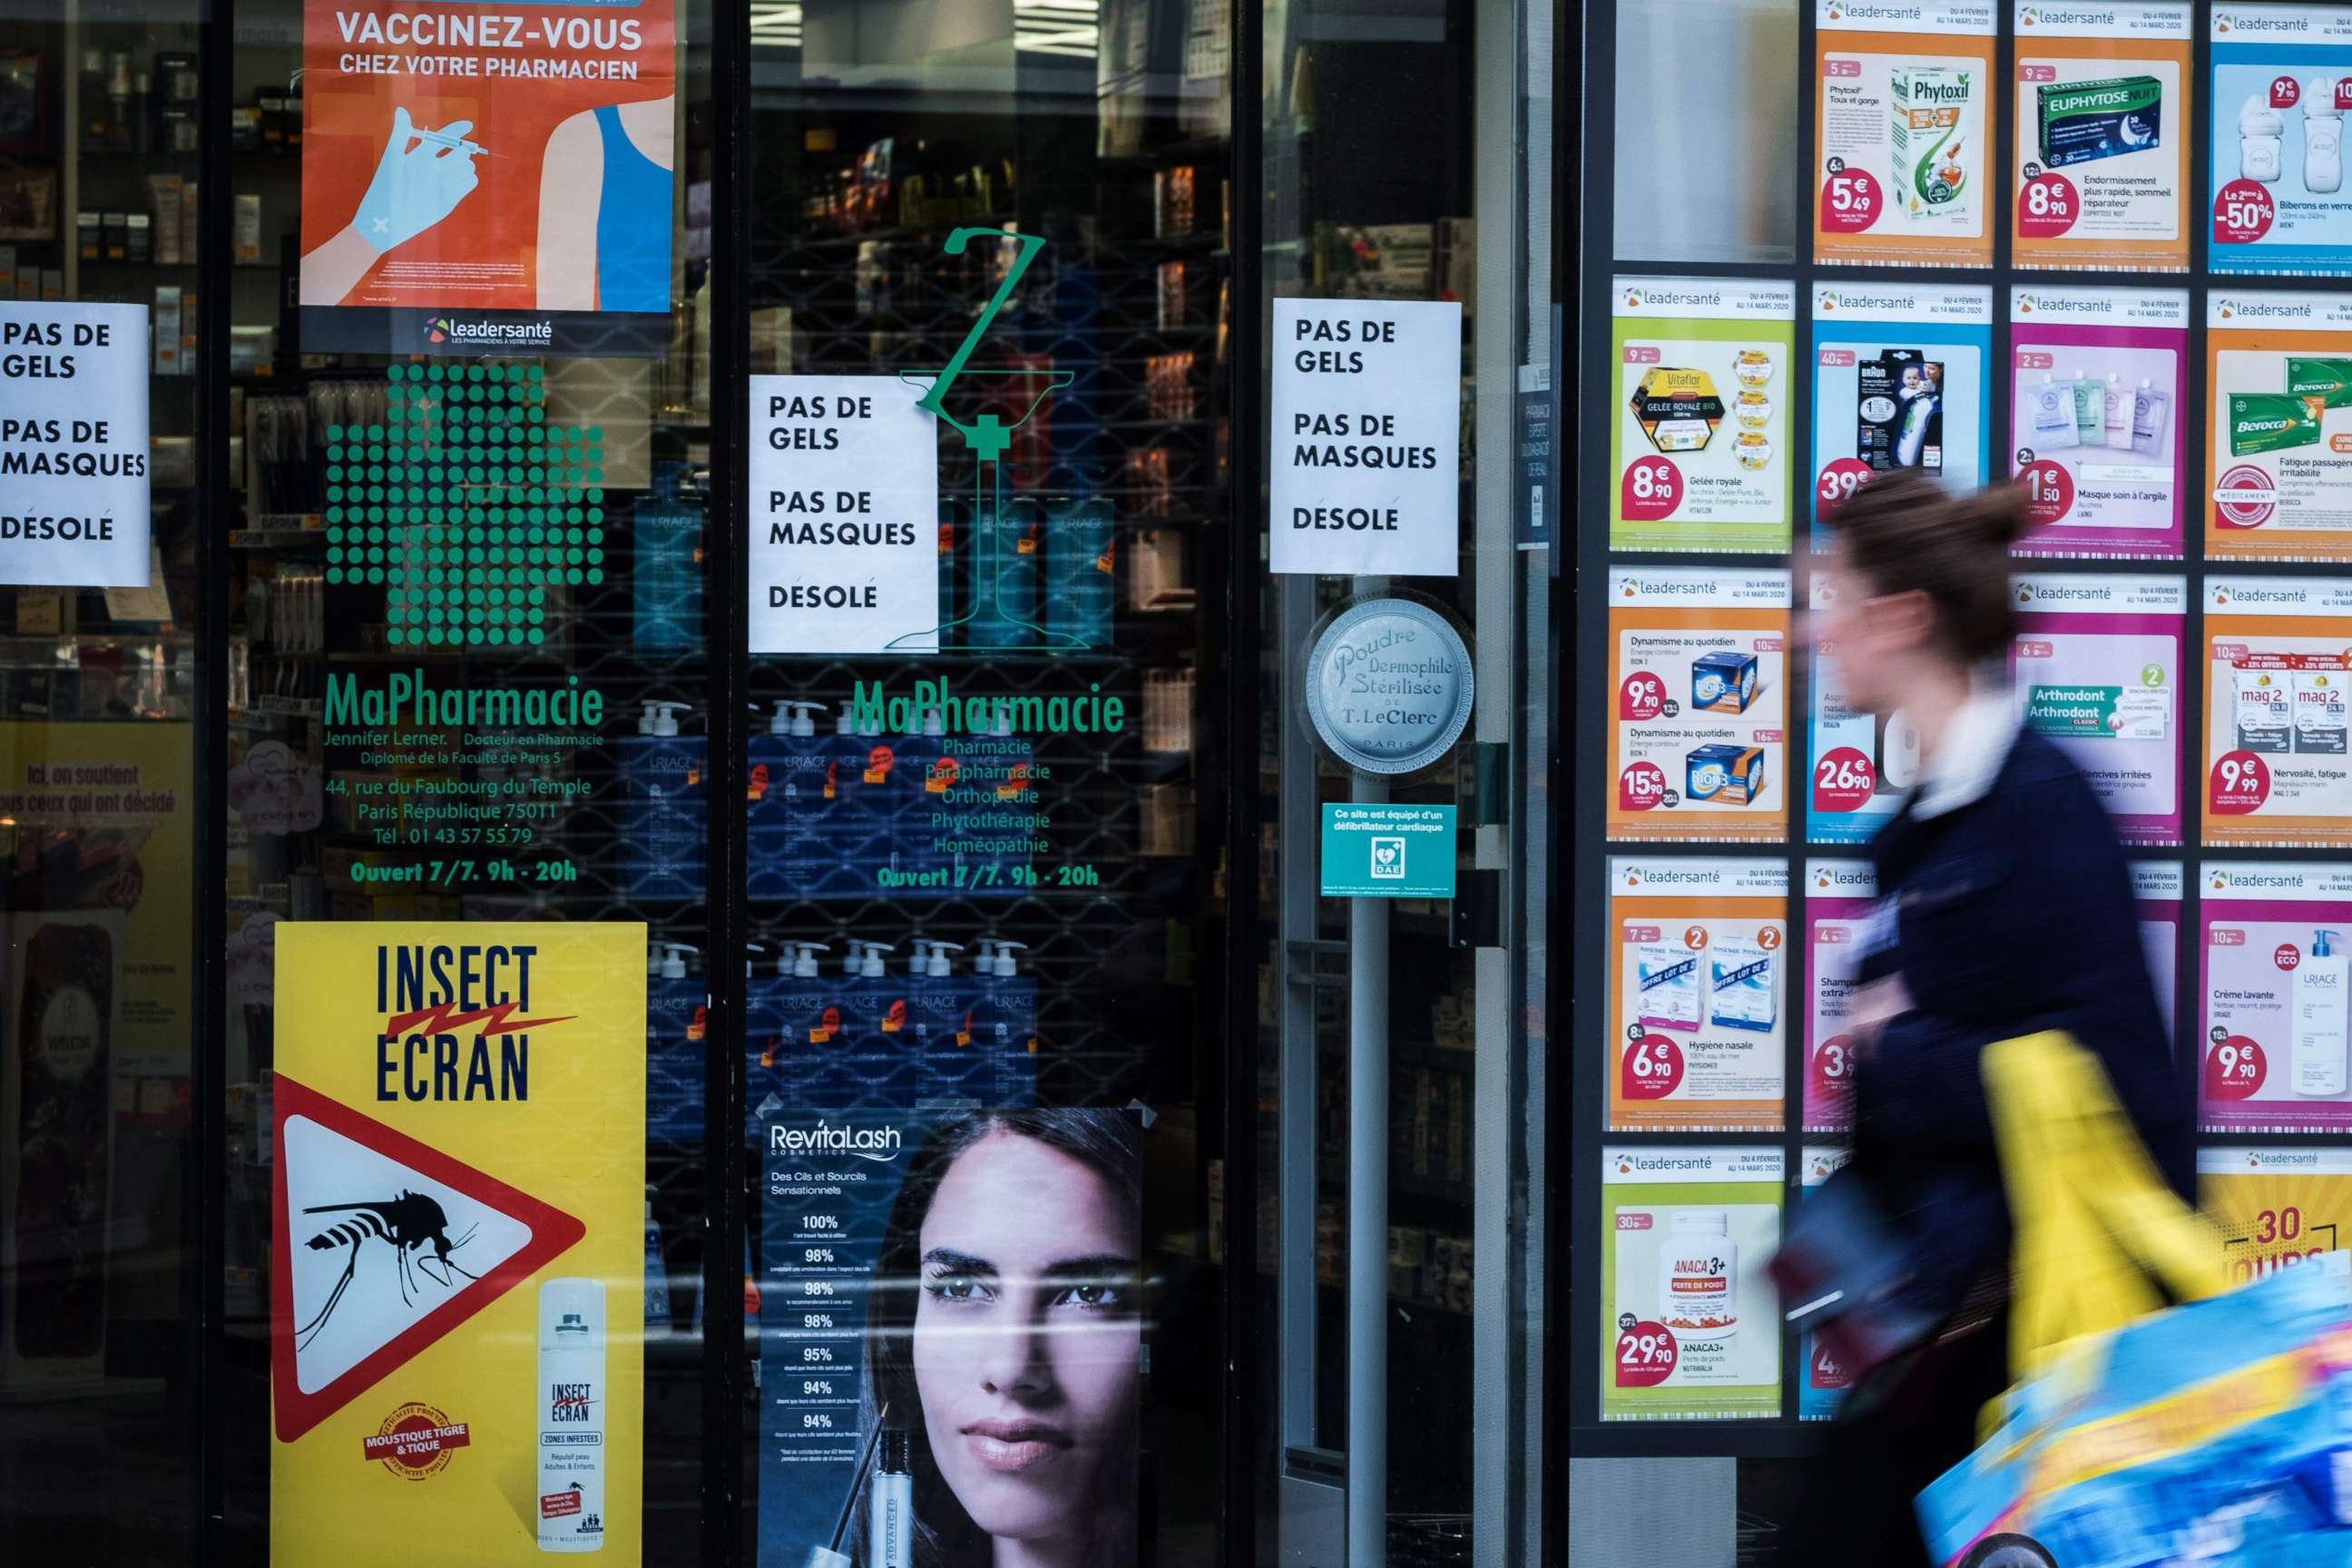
(2013, 913)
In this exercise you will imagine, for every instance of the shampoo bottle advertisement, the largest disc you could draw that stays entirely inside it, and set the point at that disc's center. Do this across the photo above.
(2102, 136)
(1822, 1381)
(1701, 997)
(2281, 85)
(2278, 769)
(2094, 668)
(1898, 382)
(1840, 897)
(1692, 1331)
(2097, 377)
(458, 1287)
(2275, 1207)
(907, 1257)
(479, 181)
(1902, 156)
(2276, 1031)
(1698, 744)
(1700, 440)
(2278, 427)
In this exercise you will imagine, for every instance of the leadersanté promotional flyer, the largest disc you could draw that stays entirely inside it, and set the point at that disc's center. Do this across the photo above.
(458, 1286)
(476, 177)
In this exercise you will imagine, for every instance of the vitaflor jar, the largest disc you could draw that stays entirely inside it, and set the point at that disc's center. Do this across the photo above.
(1697, 1270)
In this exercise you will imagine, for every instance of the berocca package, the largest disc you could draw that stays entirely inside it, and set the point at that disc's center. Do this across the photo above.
(2271, 422)
(2081, 120)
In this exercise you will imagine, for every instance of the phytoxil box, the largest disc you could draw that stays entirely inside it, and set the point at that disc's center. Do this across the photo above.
(1933, 162)
(1733, 774)
(2080, 121)
(1723, 682)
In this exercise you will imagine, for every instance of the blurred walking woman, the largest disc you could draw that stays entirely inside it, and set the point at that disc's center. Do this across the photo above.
(2005, 908)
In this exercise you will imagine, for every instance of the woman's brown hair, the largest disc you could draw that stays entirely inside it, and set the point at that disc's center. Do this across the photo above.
(1906, 533)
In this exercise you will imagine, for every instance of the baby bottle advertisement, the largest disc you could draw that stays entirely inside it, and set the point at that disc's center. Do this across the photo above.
(1840, 897)
(1700, 444)
(2097, 377)
(1898, 382)
(1698, 743)
(2282, 85)
(2278, 427)
(1822, 1381)
(2274, 981)
(1902, 155)
(2279, 660)
(2275, 1207)
(1858, 764)
(2095, 667)
(1693, 1330)
(1702, 994)
(2102, 136)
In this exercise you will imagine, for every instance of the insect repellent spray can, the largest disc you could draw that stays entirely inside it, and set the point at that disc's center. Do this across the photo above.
(571, 1416)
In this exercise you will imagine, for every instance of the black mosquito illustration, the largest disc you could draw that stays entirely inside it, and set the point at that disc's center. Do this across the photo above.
(406, 1224)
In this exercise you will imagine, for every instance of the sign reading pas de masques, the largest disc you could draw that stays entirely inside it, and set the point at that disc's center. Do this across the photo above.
(1367, 437)
(73, 445)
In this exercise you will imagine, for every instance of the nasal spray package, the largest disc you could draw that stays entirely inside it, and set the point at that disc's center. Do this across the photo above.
(1667, 976)
(1741, 993)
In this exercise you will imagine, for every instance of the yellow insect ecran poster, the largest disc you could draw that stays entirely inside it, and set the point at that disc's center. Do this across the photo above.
(458, 1274)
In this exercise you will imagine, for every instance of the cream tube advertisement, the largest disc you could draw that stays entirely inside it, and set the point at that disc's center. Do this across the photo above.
(1693, 1326)
(2277, 1049)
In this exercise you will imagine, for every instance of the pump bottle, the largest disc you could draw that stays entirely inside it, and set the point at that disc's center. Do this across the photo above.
(2317, 1058)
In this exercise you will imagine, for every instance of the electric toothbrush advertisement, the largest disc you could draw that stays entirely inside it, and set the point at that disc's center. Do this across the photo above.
(2278, 767)
(2278, 427)
(1898, 382)
(1821, 1385)
(2281, 85)
(2275, 1031)
(2275, 1207)
(1859, 764)
(1840, 898)
(2096, 668)
(1692, 1332)
(2102, 136)
(479, 178)
(845, 535)
(1701, 997)
(1700, 442)
(905, 1253)
(1698, 745)
(1902, 146)
(458, 1248)
(2097, 379)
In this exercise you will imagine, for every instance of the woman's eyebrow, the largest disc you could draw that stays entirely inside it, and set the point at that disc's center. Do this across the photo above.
(948, 1258)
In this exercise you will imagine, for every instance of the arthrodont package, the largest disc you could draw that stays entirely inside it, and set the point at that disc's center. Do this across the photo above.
(2095, 667)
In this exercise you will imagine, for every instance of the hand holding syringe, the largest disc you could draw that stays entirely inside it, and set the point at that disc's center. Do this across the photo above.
(421, 178)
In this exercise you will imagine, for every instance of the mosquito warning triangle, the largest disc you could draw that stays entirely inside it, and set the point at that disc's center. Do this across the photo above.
(383, 1245)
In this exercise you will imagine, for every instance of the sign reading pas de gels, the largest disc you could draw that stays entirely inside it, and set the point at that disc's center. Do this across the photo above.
(479, 176)
(73, 445)
(458, 1128)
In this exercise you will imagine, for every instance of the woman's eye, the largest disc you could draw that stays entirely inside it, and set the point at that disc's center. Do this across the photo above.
(956, 1288)
(1091, 1297)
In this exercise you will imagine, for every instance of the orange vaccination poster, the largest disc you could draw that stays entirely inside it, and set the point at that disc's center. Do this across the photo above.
(488, 177)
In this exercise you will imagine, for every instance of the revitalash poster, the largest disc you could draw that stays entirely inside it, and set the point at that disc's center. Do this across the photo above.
(480, 177)
(2273, 1057)
(457, 1288)
(2096, 668)
(1899, 373)
(951, 1314)
(2097, 379)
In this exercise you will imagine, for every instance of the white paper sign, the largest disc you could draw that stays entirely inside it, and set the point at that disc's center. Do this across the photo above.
(73, 445)
(844, 491)
(1367, 437)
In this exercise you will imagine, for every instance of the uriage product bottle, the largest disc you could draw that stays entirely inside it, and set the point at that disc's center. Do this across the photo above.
(2323, 138)
(1698, 1268)
(2319, 1036)
(571, 1416)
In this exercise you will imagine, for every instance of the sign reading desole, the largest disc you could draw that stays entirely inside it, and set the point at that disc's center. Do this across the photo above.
(73, 445)
(1366, 437)
(845, 516)
(1389, 687)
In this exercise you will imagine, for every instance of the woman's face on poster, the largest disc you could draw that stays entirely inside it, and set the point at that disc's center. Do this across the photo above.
(1026, 1337)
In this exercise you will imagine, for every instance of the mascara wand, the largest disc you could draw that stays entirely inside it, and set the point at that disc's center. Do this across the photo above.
(857, 1483)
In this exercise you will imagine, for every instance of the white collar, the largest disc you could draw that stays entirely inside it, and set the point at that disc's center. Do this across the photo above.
(1976, 743)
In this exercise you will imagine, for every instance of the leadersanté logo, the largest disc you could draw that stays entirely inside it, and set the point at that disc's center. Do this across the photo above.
(437, 330)
(455, 329)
